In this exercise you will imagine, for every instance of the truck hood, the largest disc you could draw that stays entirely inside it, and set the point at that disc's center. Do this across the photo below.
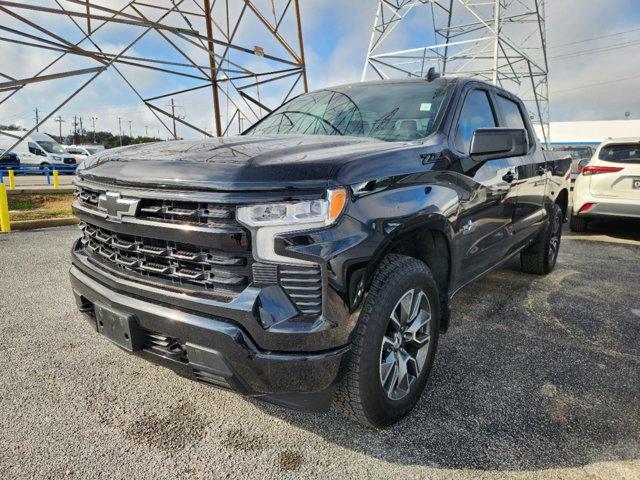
(234, 163)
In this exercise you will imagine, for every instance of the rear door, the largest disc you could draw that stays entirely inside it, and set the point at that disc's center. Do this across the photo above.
(531, 173)
(624, 183)
(487, 208)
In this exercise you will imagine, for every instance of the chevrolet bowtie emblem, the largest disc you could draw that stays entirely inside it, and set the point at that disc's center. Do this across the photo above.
(116, 206)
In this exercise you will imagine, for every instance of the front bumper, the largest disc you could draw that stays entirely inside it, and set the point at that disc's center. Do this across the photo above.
(213, 349)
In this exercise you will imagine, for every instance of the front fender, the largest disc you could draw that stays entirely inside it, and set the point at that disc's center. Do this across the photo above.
(376, 218)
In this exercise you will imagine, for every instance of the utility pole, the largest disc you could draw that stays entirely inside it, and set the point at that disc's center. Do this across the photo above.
(60, 121)
(75, 129)
(81, 130)
(120, 129)
(37, 120)
(146, 130)
(130, 134)
(93, 121)
(173, 116)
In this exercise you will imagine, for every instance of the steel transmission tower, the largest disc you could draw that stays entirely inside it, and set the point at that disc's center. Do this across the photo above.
(239, 57)
(500, 41)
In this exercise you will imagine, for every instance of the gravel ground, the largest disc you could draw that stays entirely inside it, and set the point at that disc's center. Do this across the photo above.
(538, 377)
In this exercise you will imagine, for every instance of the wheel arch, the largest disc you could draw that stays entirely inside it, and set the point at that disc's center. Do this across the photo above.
(562, 199)
(424, 241)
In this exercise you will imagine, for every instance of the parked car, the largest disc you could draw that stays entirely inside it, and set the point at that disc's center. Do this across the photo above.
(8, 160)
(312, 260)
(609, 185)
(37, 149)
(81, 152)
(578, 153)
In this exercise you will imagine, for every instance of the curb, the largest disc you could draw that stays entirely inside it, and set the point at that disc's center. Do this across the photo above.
(39, 191)
(43, 223)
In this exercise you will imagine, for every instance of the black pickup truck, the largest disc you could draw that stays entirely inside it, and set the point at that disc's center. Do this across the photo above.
(312, 260)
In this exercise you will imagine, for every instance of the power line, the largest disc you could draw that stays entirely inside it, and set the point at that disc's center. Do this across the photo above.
(624, 32)
(590, 85)
(614, 46)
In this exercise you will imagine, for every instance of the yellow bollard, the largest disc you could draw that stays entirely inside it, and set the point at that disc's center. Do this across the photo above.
(12, 181)
(55, 180)
(5, 224)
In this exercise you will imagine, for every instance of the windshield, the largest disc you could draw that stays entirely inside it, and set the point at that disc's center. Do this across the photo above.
(620, 153)
(391, 112)
(93, 151)
(577, 153)
(51, 147)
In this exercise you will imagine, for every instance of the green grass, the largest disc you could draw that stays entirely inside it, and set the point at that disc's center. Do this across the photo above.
(40, 206)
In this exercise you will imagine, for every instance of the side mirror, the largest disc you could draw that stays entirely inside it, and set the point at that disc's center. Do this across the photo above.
(40, 153)
(491, 143)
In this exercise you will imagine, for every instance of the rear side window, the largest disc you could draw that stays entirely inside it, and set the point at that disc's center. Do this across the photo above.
(620, 153)
(476, 113)
(511, 112)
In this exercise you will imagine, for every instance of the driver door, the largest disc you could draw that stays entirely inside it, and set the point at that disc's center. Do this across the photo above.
(485, 223)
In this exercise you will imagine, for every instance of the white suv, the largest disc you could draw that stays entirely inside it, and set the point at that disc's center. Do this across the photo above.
(609, 185)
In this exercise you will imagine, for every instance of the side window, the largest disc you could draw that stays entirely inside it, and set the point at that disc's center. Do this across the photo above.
(33, 148)
(476, 113)
(511, 112)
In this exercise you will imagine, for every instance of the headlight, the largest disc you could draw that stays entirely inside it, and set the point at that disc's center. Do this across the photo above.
(271, 219)
(57, 157)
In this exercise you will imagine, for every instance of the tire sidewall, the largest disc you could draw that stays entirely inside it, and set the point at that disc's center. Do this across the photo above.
(380, 409)
(555, 220)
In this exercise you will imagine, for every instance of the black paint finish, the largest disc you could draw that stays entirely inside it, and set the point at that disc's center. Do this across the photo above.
(486, 212)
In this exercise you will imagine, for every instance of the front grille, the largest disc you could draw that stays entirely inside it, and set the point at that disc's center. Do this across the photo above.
(173, 211)
(223, 273)
(87, 197)
(69, 161)
(194, 245)
(304, 287)
(187, 212)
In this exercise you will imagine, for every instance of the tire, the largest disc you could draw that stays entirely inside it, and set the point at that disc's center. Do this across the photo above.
(578, 224)
(541, 257)
(45, 166)
(382, 346)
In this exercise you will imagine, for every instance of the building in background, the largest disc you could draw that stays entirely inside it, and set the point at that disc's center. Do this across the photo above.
(591, 132)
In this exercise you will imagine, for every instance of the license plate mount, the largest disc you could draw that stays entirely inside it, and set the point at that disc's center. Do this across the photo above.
(120, 328)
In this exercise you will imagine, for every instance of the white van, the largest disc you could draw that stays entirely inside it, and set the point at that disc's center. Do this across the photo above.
(37, 149)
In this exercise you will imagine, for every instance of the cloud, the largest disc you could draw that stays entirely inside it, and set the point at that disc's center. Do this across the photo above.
(337, 34)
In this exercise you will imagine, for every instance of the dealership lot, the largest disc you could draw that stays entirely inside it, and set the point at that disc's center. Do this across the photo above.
(537, 377)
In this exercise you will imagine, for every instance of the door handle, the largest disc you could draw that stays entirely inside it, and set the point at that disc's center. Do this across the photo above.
(509, 177)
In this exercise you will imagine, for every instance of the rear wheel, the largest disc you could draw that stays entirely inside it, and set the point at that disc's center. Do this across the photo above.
(578, 224)
(394, 344)
(540, 258)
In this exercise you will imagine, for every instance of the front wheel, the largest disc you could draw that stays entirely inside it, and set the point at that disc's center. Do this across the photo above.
(541, 257)
(394, 344)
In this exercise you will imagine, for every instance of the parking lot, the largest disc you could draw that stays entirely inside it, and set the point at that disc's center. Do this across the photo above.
(538, 377)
